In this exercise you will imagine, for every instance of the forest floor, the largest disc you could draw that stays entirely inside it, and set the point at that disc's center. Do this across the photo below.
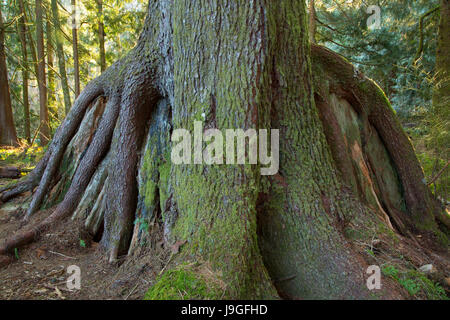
(39, 271)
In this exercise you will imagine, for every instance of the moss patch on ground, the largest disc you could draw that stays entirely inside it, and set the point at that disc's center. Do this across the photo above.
(22, 157)
(187, 282)
(416, 283)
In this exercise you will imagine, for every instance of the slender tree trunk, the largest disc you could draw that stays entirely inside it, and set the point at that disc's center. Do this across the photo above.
(101, 35)
(41, 77)
(32, 48)
(25, 74)
(8, 136)
(75, 49)
(441, 94)
(61, 58)
(51, 87)
(312, 21)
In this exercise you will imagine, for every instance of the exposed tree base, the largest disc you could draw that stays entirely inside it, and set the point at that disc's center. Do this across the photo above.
(119, 128)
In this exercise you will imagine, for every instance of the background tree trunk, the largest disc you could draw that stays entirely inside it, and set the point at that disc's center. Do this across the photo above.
(51, 87)
(101, 35)
(75, 49)
(41, 77)
(312, 21)
(23, 8)
(25, 73)
(61, 58)
(8, 136)
(441, 93)
(442, 90)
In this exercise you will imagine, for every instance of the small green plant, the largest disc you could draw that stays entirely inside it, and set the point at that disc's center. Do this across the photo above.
(390, 271)
(370, 252)
(416, 283)
(411, 285)
(82, 243)
(16, 253)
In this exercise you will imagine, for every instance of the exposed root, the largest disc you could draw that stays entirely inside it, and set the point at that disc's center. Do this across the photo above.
(90, 196)
(335, 76)
(138, 102)
(95, 153)
(128, 86)
(95, 218)
(62, 137)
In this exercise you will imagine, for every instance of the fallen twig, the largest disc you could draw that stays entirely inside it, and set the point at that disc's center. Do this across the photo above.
(62, 255)
(438, 175)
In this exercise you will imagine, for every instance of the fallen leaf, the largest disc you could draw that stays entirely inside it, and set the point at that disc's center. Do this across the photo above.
(41, 253)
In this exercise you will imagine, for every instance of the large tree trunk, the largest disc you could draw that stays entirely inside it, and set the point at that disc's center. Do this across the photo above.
(235, 65)
(8, 136)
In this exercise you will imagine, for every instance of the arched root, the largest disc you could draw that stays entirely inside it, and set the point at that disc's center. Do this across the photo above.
(138, 102)
(62, 137)
(103, 191)
(340, 86)
(73, 154)
(94, 154)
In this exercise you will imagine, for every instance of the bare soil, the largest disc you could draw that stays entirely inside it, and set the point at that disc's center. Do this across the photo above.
(39, 271)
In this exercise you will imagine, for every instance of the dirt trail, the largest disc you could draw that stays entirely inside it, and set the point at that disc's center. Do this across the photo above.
(39, 271)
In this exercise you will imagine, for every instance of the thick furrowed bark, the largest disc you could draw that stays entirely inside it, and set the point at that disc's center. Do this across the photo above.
(218, 61)
(370, 103)
(300, 214)
(229, 65)
(138, 101)
(62, 138)
(154, 172)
